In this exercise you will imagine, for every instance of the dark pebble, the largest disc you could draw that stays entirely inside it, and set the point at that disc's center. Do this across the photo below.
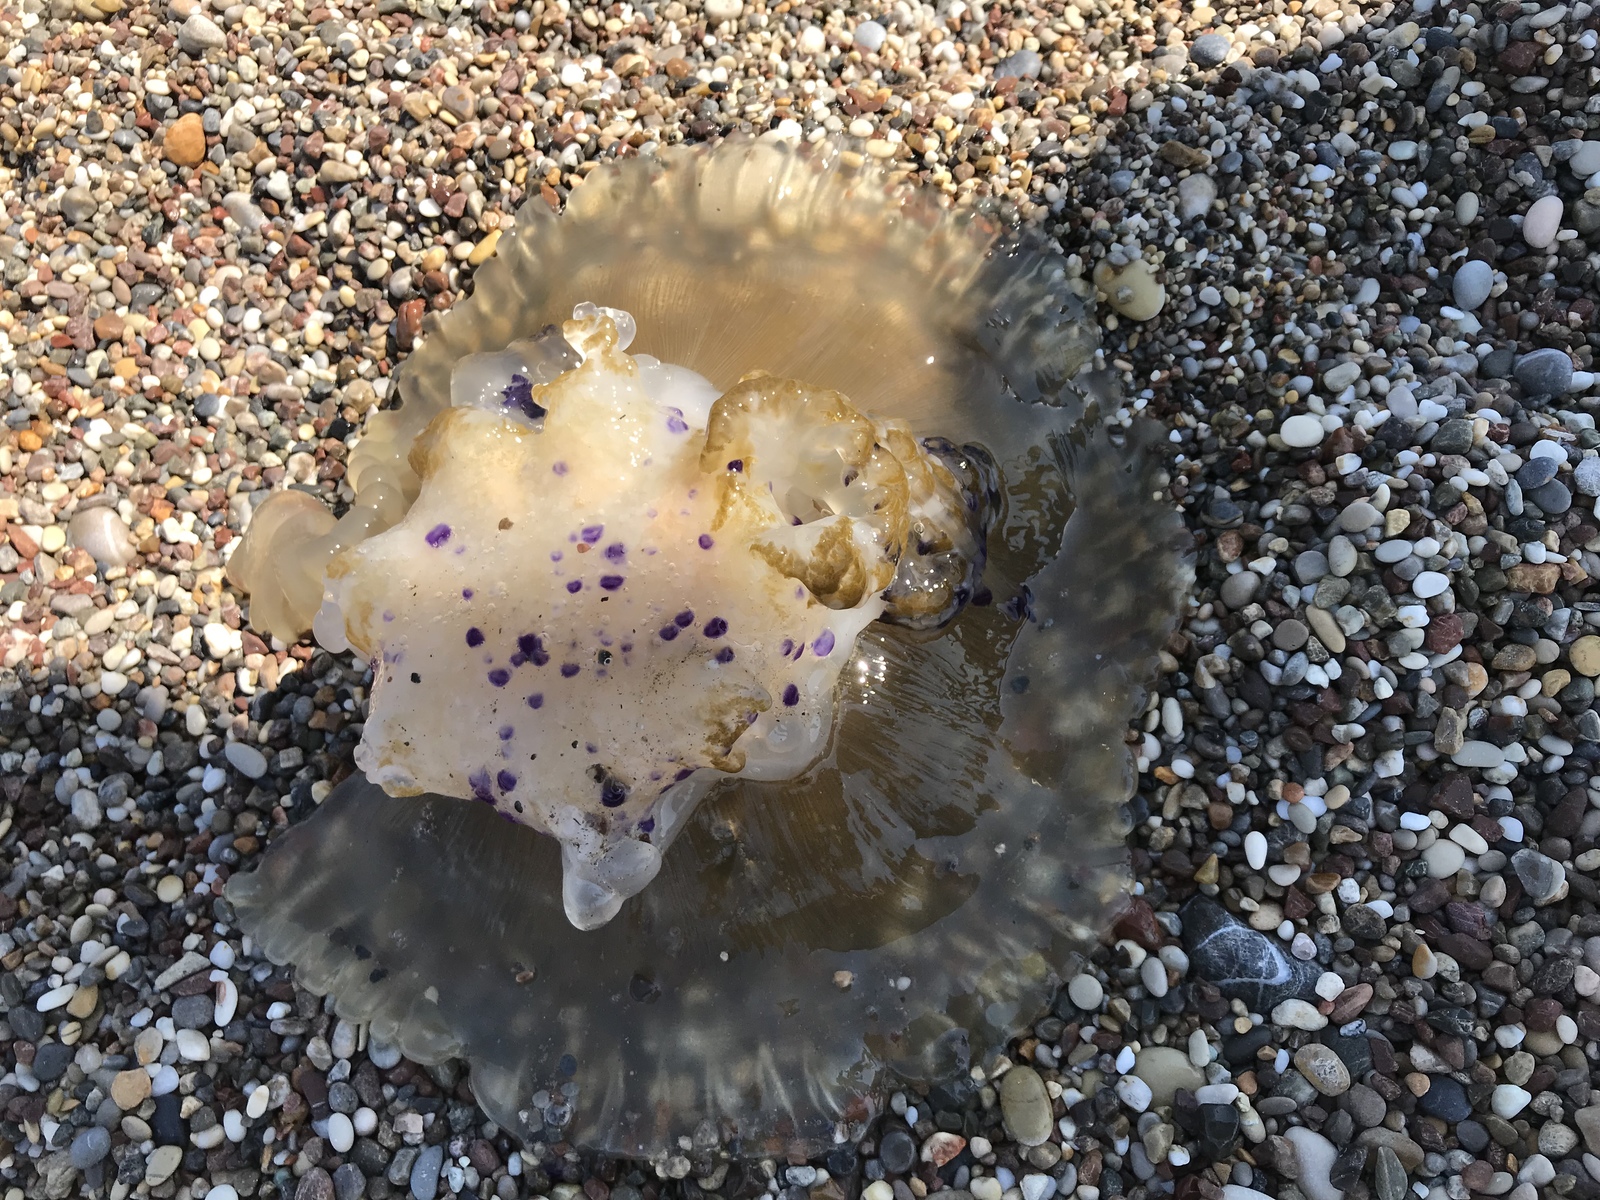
(167, 1126)
(1219, 1131)
(348, 1182)
(1553, 498)
(1536, 472)
(897, 1151)
(51, 1060)
(193, 1012)
(315, 1184)
(1244, 964)
(26, 1023)
(1454, 437)
(1445, 1099)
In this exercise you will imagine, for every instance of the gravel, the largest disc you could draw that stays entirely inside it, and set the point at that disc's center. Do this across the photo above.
(1347, 258)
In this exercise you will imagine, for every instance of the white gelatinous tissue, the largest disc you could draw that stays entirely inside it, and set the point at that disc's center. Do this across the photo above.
(617, 587)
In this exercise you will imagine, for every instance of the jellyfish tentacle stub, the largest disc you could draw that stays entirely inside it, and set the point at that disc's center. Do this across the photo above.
(756, 594)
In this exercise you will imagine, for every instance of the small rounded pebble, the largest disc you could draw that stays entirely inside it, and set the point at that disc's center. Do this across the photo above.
(1472, 284)
(1543, 222)
(1302, 431)
(1085, 991)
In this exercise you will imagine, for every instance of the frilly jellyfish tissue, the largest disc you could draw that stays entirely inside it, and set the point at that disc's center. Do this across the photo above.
(757, 593)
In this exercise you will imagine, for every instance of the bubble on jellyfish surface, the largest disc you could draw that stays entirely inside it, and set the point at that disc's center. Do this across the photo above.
(757, 589)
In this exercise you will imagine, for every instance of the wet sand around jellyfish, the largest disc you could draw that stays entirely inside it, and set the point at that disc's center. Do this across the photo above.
(910, 900)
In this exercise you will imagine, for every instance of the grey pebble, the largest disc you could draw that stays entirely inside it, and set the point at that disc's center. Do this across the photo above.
(1388, 1175)
(1586, 476)
(424, 1181)
(1546, 372)
(78, 204)
(1210, 50)
(1310, 566)
(1536, 471)
(199, 34)
(1553, 498)
(90, 1146)
(193, 1012)
(1238, 590)
(1472, 284)
(1542, 878)
(348, 1182)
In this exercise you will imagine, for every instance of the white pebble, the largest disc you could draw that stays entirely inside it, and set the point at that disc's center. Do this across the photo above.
(1255, 849)
(1134, 1092)
(1428, 584)
(1543, 222)
(1085, 991)
(341, 1133)
(1302, 431)
(257, 1103)
(1508, 1100)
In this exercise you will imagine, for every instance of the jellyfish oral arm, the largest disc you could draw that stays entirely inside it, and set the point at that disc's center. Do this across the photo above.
(615, 584)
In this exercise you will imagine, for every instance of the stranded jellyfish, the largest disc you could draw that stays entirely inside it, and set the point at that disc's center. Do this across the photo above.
(757, 594)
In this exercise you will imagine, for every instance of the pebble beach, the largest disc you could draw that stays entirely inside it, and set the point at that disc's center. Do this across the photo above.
(1344, 253)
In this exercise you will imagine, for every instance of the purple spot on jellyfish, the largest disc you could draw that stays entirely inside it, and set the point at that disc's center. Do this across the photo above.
(675, 421)
(591, 748)
(611, 582)
(506, 780)
(684, 619)
(683, 774)
(725, 655)
(555, 556)
(647, 825)
(536, 700)
(518, 394)
(787, 648)
(716, 627)
(387, 617)
(437, 536)
(616, 552)
(667, 632)
(560, 468)
(568, 670)
(466, 593)
(705, 541)
(612, 792)
(474, 637)
(823, 646)
(575, 585)
(736, 465)
(478, 781)
(507, 733)
(591, 533)
(531, 646)
(499, 677)
(791, 696)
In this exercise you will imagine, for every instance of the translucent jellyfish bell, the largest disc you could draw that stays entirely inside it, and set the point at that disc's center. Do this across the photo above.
(910, 899)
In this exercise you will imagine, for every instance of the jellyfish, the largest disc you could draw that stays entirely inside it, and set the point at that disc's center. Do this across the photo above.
(757, 587)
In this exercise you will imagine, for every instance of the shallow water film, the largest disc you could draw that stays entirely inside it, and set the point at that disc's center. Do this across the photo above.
(910, 900)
